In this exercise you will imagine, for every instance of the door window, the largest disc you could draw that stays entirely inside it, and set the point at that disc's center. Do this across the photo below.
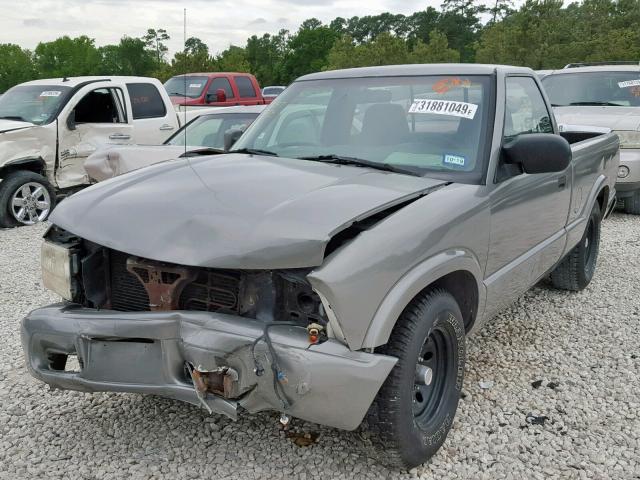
(100, 106)
(221, 83)
(526, 111)
(245, 87)
(146, 101)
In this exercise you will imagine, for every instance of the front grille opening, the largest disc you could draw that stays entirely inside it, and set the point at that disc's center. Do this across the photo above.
(68, 363)
(127, 293)
(212, 290)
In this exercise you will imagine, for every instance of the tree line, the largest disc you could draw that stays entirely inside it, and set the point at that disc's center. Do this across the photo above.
(539, 34)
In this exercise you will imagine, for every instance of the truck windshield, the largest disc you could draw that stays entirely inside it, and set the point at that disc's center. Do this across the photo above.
(191, 87)
(427, 125)
(617, 89)
(36, 104)
(208, 130)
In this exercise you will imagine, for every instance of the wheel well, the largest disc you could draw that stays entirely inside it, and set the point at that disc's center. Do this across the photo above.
(462, 285)
(35, 165)
(602, 199)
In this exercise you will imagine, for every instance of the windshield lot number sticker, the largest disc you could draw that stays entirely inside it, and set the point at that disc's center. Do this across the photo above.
(444, 107)
(51, 93)
(195, 85)
(629, 83)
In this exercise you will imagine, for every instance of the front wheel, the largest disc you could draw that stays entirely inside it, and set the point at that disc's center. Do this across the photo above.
(414, 410)
(577, 268)
(26, 198)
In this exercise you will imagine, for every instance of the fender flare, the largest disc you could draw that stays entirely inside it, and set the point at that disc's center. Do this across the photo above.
(34, 164)
(416, 280)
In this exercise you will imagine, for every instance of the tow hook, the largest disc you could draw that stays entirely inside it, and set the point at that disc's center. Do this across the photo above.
(221, 381)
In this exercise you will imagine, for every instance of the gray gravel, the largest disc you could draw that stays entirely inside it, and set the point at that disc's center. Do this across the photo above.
(581, 351)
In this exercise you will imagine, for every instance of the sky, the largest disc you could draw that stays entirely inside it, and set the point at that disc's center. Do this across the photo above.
(218, 23)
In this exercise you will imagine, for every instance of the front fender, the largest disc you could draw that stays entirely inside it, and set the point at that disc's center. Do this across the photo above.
(28, 144)
(413, 283)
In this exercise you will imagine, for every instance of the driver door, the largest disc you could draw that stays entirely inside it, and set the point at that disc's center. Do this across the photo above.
(528, 211)
(96, 116)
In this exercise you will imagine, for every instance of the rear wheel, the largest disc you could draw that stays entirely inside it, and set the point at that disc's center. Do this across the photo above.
(26, 198)
(413, 412)
(632, 204)
(577, 268)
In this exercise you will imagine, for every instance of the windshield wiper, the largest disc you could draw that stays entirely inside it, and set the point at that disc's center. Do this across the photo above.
(595, 104)
(360, 162)
(15, 117)
(254, 151)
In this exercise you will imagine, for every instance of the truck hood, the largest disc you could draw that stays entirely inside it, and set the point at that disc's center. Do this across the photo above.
(615, 118)
(8, 125)
(233, 211)
(112, 161)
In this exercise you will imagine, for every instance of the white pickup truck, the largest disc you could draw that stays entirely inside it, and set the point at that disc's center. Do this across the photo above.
(49, 127)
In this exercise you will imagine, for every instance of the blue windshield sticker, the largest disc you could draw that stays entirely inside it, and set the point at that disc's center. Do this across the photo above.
(454, 160)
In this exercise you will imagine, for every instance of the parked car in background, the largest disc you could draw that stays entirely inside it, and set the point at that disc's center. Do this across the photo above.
(270, 93)
(605, 95)
(219, 89)
(204, 135)
(331, 265)
(49, 127)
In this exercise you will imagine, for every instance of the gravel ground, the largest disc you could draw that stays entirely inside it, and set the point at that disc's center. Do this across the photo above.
(551, 392)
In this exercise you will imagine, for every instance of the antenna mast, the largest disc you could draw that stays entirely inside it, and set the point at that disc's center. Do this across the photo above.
(184, 43)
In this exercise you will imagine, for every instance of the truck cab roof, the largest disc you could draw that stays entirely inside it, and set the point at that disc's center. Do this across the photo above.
(596, 68)
(417, 70)
(75, 81)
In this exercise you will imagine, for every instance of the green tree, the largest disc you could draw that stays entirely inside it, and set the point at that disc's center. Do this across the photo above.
(308, 49)
(233, 59)
(460, 22)
(436, 51)
(155, 41)
(538, 35)
(129, 57)
(194, 58)
(386, 49)
(266, 57)
(16, 66)
(66, 57)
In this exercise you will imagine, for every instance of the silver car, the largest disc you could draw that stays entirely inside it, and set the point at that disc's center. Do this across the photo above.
(605, 96)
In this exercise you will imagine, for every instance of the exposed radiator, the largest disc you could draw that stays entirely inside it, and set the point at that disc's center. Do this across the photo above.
(212, 290)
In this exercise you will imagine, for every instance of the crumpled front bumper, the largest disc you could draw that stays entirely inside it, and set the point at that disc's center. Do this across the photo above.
(151, 352)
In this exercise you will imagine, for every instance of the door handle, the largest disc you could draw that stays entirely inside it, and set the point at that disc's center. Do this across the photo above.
(119, 136)
(562, 181)
(166, 126)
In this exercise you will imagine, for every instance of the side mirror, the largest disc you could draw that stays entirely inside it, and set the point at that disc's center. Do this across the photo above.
(220, 96)
(71, 120)
(230, 137)
(538, 152)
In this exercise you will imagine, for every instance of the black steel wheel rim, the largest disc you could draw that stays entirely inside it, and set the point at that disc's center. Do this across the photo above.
(437, 355)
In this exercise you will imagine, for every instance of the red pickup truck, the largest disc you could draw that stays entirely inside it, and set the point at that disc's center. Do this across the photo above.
(218, 89)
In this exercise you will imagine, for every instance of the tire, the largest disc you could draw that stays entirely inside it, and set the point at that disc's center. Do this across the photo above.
(37, 203)
(632, 204)
(408, 421)
(577, 268)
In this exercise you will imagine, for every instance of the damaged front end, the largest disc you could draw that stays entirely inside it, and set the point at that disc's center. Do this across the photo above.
(222, 339)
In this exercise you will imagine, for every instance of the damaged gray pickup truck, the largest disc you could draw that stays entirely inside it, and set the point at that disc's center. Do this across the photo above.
(330, 266)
